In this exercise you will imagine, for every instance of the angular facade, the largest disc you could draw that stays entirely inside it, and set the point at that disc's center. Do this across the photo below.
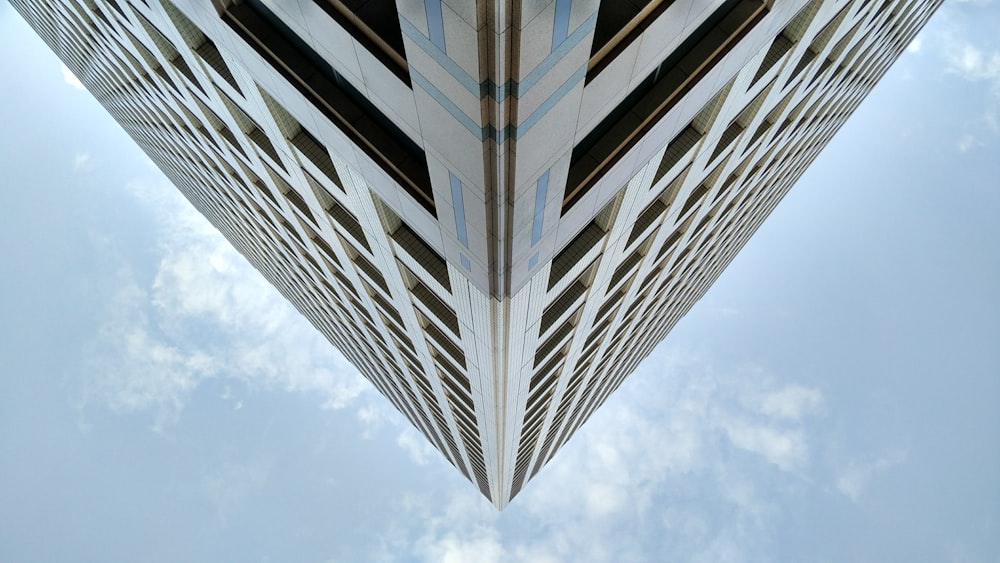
(494, 209)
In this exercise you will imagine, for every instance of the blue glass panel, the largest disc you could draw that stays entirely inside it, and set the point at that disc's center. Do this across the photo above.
(459, 205)
(541, 190)
(560, 26)
(435, 23)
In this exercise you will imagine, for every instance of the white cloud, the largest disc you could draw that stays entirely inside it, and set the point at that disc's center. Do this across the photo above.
(81, 161)
(416, 446)
(858, 474)
(967, 142)
(961, 46)
(206, 314)
(790, 402)
(373, 416)
(134, 370)
(71, 79)
(457, 528)
(662, 466)
(960, 50)
(451, 549)
(785, 449)
(232, 483)
(915, 45)
(972, 63)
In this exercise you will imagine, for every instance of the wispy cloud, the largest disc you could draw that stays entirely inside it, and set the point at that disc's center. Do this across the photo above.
(206, 314)
(789, 402)
(81, 161)
(785, 449)
(416, 445)
(968, 142)
(960, 50)
(973, 62)
(134, 370)
(662, 466)
(973, 2)
(71, 79)
(231, 484)
(855, 478)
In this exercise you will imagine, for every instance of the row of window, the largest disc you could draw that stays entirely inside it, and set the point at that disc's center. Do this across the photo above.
(649, 101)
(333, 95)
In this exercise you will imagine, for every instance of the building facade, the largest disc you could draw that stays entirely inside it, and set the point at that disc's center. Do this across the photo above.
(494, 209)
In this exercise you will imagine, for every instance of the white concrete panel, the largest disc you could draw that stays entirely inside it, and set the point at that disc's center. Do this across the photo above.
(461, 40)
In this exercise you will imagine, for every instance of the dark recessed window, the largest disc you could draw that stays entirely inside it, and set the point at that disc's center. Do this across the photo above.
(619, 22)
(596, 153)
(374, 24)
(371, 130)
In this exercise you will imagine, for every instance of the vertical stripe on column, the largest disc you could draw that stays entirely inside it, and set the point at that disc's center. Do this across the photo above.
(458, 204)
(459, 207)
(435, 23)
(560, 25)
(541, 190)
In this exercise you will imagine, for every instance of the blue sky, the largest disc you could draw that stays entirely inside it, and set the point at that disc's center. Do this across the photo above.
(834, 397)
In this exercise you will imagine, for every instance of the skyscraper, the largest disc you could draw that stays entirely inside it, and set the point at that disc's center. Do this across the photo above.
(495, 210)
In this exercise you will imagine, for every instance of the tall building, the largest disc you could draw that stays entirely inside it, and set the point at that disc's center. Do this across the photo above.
(494, 209)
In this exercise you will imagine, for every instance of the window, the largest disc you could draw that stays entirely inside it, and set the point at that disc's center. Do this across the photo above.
(387, 145)
(374, 24)
(557, 338)
(442, 340)
(568, 297)
(422, 253)
(626, 266)
(618, 132)
(619, 23)
(348, 222)
(787, 39)
(577, 248)
(584, 242)
(436, 306)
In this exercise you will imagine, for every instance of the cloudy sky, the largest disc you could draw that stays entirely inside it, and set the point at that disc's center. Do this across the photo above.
(835, 396)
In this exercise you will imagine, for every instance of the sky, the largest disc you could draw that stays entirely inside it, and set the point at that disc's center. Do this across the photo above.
(834, 397)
